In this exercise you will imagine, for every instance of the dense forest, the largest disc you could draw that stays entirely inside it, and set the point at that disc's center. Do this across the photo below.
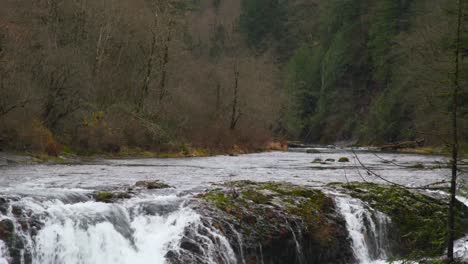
(110, 75)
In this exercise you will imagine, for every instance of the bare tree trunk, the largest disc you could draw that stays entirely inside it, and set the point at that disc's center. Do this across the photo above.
(218, 100)
(164, 62)
(104, 35)
(235, 115)
(146, 80)
(453, 183)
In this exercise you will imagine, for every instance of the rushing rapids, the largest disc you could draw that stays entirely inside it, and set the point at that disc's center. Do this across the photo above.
(53, 214)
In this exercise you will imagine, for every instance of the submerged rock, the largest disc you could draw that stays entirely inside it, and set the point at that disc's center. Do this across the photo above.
(111, 197)
(7, 230)
(278, 223)
(152, 184)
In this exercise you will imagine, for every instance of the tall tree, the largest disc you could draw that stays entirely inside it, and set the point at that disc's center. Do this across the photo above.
(454, 124)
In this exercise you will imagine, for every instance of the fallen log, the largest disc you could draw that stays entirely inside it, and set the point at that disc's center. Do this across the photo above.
(403, 145)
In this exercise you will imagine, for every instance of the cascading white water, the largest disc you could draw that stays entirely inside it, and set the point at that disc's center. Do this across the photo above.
(366, 227)
(461, 245)
(3, 253)
(139, 230)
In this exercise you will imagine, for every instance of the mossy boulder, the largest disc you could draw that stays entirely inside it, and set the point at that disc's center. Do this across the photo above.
(152, 185)
(7, 230)
(419, 220)
(111, 197)
(417, 166)
(274, 218)
(343, 159)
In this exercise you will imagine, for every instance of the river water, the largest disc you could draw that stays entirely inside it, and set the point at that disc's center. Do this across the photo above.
(73, 228)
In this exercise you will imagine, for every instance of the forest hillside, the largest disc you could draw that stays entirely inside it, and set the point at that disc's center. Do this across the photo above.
(167, 75)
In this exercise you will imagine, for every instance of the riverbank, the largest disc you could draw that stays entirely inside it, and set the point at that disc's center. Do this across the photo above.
(69, 156)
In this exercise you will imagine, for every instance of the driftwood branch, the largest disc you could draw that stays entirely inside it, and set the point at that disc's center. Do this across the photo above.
(404, 144)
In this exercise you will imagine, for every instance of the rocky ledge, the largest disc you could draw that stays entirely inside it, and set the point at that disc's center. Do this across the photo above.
(272, 223)
(285, 223)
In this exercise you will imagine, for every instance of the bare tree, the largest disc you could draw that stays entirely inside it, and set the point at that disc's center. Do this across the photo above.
(454, 125)
(235, 113)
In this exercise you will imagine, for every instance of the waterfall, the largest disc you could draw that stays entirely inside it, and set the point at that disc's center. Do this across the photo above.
(3, 253)
(139, 230)
(367, 229)
(461, 245)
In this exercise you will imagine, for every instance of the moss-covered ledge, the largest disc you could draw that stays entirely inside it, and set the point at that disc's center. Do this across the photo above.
(276, 216)
(420, 221)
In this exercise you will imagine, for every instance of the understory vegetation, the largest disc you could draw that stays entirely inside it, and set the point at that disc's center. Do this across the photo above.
(185, 76)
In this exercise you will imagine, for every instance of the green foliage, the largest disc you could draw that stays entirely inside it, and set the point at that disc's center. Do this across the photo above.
(316, 73)
(261, 20)
(374, 71)
(386, 117)
(302, 87)
(386, 24)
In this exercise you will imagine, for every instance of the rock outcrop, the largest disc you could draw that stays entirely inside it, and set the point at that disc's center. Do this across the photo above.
(276, 223)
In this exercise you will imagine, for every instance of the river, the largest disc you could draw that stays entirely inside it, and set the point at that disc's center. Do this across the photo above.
(68, 226)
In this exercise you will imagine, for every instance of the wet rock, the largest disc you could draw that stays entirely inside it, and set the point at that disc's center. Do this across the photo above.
(111, 197)
(12, 240)
(151, 185)
(343, 159)
(104, 197)
(278, 223)
(16, 210)
(190, 245)
(330, 160)
(312, 151)
(7, 230)
(417, 166)
(3, 205)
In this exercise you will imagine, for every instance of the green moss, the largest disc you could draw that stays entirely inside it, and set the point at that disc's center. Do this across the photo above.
(256, 196)
(104, 196)
(220, 200)
(265, 209)
(152, 184)
(417, 166)
(317, 160)
(67, 150)
(343, 159)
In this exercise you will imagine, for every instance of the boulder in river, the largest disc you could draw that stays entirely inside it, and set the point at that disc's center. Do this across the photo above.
(110, 197)
(152, 184)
